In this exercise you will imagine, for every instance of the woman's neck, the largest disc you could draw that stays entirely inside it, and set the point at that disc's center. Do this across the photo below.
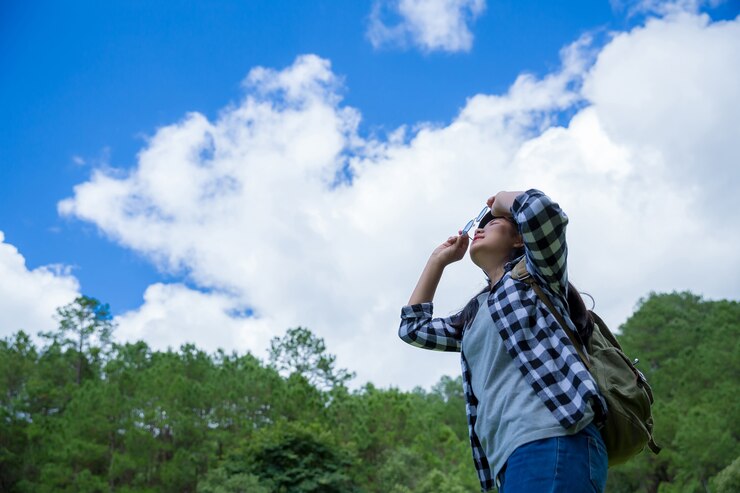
(494, 273)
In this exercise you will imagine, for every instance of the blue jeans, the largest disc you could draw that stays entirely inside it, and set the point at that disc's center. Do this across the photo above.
(568, 464)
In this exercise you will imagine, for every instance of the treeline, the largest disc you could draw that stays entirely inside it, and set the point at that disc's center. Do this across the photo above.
(82, 414)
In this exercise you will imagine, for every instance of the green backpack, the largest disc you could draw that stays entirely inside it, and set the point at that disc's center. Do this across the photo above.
(629, 423)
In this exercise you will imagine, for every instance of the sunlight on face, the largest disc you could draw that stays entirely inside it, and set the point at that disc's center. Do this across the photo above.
(493, 242)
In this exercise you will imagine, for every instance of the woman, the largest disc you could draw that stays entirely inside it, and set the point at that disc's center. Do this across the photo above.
(532, 406)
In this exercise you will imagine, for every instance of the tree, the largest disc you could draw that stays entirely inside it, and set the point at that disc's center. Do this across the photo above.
(690, 353)
(300, 351)
(295, 458)
(17, 362)
(85, 326)
(187, 421)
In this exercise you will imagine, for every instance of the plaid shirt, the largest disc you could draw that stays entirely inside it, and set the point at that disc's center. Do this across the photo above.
(539, 347)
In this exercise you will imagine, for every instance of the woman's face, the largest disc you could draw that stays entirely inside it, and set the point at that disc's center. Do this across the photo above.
(494, 241)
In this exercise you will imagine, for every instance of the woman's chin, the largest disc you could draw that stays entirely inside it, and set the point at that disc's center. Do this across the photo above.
(474, 255)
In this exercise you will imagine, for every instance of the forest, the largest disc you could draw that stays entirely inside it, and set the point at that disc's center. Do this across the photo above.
(81, 413)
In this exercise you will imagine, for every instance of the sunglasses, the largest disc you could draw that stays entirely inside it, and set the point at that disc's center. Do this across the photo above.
(475, 221)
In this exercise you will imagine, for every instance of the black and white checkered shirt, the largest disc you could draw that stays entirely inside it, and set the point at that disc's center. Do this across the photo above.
(539, 347)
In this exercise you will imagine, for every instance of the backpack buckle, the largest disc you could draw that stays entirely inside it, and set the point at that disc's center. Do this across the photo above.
(520, 272)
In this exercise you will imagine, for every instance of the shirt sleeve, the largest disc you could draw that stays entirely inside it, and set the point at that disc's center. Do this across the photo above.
(420, 329)
(542, 225)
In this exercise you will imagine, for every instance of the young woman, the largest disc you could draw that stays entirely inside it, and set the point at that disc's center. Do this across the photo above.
(532, 406)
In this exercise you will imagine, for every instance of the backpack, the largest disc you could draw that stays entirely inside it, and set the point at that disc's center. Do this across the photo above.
(629, 422)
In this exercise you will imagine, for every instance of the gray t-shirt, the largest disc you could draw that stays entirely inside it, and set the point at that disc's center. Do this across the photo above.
(509, 413)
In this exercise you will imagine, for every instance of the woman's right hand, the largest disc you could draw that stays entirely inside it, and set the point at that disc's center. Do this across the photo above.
(451, 250)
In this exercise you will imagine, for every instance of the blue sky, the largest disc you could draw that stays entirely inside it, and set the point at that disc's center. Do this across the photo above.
(83, 85)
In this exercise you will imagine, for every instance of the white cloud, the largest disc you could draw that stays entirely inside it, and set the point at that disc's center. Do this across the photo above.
(249, 204)
(29, 298)
(173, 314)
(429, 24)
(669, 88)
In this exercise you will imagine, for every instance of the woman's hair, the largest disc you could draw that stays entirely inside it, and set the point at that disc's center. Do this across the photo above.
(579, 314)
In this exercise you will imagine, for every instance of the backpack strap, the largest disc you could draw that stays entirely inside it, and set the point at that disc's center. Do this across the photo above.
(520, 273)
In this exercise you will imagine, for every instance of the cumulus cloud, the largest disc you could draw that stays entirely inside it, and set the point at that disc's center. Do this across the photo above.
(279, 205)
(694, 126)
(173, 314)
(429, 24)
(29, 297)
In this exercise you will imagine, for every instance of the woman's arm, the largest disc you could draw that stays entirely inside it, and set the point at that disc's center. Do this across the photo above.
(418, 327)
(448, 252)
(542, 224)
(501, 203)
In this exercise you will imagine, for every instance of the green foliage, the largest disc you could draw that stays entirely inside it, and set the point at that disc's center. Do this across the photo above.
(220, 481)
(690, 352)
(82, 414)
(728, 479)
(85, 328)
(16, 364)
(300, 351)
(437, 481)
(295, 458)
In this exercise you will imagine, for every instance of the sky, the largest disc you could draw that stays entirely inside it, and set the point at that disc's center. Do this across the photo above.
(221, 171)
